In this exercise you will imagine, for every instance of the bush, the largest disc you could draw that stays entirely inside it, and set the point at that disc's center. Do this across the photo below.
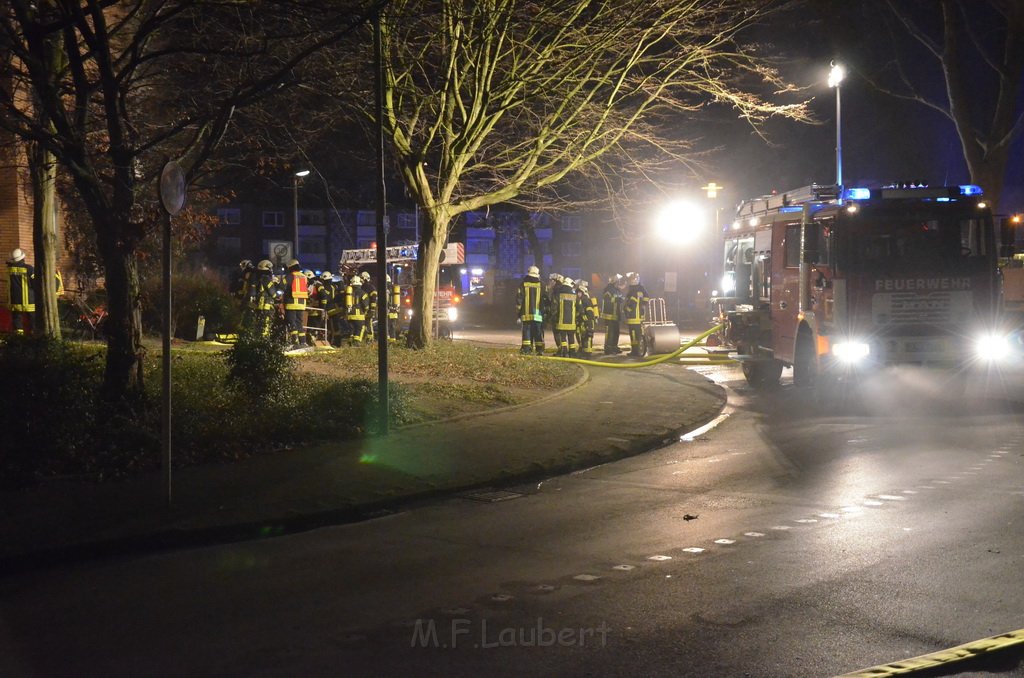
(47, 406)
(258, 367)
(196, 293)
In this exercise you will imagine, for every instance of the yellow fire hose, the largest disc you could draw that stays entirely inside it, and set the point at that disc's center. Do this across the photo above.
(646, 363)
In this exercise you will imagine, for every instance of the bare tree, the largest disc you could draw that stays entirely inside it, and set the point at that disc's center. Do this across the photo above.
(497, 101)
(145, 81)
(979, 47)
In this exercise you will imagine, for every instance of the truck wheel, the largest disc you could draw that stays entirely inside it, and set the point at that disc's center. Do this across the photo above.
(805, 363)
(762, 373)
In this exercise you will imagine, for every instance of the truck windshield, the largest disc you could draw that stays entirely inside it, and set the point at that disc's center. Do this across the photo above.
(885, 242)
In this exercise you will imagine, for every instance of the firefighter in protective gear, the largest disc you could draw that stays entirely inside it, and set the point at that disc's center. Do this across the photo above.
(611, 313)
(586, 319)
(264, 297)
(565, 318)
(531, 300)
(241, 284)
(394, 305)
(356, 304)
(635, 310)
(21, 297)
(371, 310)
(296, 293)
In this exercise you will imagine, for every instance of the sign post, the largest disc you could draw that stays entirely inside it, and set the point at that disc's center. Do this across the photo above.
(172, 197)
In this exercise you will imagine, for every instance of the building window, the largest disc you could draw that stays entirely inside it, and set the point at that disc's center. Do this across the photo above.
(366, 218)
(479, 246)
(572, 222)
(273, 219)
(311, 246)
(572, 249)
(229, 215)
(229, 247)
(311, 217)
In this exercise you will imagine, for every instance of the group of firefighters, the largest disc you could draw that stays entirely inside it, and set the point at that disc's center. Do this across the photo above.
(347, 306)
(573, 313)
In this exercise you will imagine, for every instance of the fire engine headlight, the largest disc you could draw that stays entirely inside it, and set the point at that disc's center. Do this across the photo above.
(453, 314)
(728, 283)
(851, 351)
(992, 347)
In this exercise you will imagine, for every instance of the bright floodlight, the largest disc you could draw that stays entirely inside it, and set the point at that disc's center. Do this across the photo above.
(302, 173)
(836, 75)
(680, 222)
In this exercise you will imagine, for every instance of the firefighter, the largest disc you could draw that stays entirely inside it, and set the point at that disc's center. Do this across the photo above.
(635, 309)
(371, 310)
(325, 301)
(336, 320)
(21, 296)
(564, 297)
(355, 307)
(241, 283)
(611, 313)
(264, 297)
(296, 292)
(548, 310)
(394, 305)
(531, 299)
(586, 319)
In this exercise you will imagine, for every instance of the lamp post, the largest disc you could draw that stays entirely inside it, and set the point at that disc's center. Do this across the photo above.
(835, 76)
(295, 195)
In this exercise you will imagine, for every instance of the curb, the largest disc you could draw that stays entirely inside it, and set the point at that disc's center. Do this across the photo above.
(177, 538)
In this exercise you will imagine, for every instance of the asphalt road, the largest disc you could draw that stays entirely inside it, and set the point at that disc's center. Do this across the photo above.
(788, 540)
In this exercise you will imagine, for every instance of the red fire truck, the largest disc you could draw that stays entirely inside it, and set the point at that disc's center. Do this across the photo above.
(835, 281)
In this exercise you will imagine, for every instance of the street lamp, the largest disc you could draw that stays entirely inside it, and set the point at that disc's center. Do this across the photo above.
(295, 194)
(680, 222)
(835, 76)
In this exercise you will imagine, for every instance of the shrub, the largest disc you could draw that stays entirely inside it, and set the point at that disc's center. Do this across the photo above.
(258, 367)
(47, 406)
(201, 292)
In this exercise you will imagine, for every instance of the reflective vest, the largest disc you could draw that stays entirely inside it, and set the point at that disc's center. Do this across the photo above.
(565, 305)
(22, 296)
(297, 292)
(586, 312)
(530, 300)
(265, 291)
(635, 299)
(395, 302)
(610, 303)
(355, 300)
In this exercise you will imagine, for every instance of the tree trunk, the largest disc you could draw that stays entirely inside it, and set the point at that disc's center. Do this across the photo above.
(990, 174)
(123, 326)
(425, 284)
(43, 169)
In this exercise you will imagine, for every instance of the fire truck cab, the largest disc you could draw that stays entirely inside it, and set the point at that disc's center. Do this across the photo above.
(832, 282)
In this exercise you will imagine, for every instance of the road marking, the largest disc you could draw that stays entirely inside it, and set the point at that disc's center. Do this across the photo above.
(942, 657)
(753, 534)
(501, 597)
(891, 497)
(782, 528)
(695, 433)
(586, 577)
(873, 502)
(806, 520)
(659, 558)
(693, 549)
(623, 568)
(828, 515)
(725, 542)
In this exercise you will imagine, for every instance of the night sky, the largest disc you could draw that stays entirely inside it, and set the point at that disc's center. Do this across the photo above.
(884, 139)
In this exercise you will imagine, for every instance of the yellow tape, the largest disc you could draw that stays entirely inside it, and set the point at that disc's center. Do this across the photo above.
(646, 363)
(953, 654)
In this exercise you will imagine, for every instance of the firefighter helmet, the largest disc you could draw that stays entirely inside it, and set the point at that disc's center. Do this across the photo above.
(387, 278)
(309, 274)
(582, 285)
(265, 265)
(18, 255)
(293, 263)
(567, 281)
(556, 277)
(365, 275)
(326, 275)
(614, 278)
(244, 264)
(634, 278)
(533, 271)
(357, 281)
